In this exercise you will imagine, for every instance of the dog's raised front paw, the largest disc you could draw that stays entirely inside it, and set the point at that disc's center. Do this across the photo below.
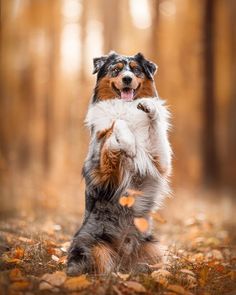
(147, 106)
(124, 137)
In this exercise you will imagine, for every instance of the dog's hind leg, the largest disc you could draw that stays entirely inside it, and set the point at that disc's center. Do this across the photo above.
(104, 258)
(150, 253)
(87, 254)
(79, 257)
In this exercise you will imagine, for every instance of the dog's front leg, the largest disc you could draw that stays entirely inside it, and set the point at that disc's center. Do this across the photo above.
(121, 139)
(118, 147)
(160, 146)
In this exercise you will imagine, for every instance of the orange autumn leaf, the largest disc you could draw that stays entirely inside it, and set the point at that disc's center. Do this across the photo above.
(63, 260)
(55, 279)
(178, 289)
(137, 287)
(26, 240)
(77, 283)
(141, 224)
(18, 253)
(127, 201)
(123, 201)
(130, 201)
(15, 274)
(21, 285)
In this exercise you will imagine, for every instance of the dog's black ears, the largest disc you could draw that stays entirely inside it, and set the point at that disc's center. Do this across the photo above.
(150, 68)
(98, 62)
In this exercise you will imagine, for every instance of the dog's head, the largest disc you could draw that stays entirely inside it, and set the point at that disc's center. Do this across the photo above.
(125, 77)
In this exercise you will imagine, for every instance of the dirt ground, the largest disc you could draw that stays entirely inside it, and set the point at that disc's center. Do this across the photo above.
(198, 231)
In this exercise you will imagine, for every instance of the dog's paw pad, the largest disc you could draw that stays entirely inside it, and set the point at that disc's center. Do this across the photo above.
(148, 107)
(143, 107)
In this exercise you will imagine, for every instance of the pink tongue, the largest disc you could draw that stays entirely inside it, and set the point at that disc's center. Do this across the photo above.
(127, 95)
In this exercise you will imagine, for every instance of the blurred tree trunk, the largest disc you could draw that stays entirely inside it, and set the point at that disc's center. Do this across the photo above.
(153, 46)
(83, 26)
(231, 157)
(111, 21)
(51, 101)
(210, 161)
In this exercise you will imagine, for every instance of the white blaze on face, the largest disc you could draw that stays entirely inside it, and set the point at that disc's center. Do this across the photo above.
(127, 93)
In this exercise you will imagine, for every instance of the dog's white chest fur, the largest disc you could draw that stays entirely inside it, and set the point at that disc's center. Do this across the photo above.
(143, 135)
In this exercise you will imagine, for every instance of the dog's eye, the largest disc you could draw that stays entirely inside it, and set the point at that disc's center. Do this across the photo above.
(137, 71)
(115, 72)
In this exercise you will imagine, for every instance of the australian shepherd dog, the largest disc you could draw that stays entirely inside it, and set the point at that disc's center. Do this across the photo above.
(126, 170)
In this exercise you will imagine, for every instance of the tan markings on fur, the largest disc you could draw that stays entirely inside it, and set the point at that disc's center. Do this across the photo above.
(110, 165)
(133, 64)
(104, 258)
(119, 65)
(147, 88)
(110, 168)
(157, 164)
(104, 89)
(151, 253)
(105, 133)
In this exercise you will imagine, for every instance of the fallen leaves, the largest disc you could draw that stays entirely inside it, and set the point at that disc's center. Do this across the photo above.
(161, 276)
(55, 279)
(137, 287)
(18, 253)
(55, 258)
(21, 285)
(141, 224)
(199, 260)
(77, 283)
(15, 275)
(18, 281)
(178, 289)
(127, 201)
(123, 276)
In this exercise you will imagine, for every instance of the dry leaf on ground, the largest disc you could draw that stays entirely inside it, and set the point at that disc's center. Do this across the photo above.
(123, 276)
(161, 276)
(20, 286)
(178, 289)
(77, 283)
(187, 271)
(56, 279)
(55, 258)
(15, 275)
(137, 287)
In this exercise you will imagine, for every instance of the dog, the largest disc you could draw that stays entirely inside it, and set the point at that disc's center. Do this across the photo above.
(126, 170)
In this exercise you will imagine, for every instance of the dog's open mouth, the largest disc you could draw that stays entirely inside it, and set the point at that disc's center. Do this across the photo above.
(126, 93)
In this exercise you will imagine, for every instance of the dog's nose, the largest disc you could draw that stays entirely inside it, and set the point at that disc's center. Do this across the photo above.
(127, 80)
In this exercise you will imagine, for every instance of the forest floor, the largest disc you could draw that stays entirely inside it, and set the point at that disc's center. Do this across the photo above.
(201, 247)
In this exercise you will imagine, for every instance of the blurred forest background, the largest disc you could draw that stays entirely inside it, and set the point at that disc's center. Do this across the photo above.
(46, 83)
